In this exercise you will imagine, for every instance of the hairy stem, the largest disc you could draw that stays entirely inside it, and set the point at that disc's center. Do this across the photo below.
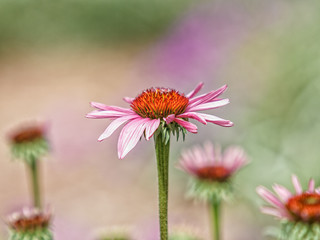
(162, 154)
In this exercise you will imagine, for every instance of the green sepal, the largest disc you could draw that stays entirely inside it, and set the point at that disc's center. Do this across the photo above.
(28, 151)
(207, 190)
(299, 231)
(36, 234)
(166, 130)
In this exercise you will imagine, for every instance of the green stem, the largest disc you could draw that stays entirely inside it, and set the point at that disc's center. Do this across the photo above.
(33, 166)
(162, 153)
(215, 213)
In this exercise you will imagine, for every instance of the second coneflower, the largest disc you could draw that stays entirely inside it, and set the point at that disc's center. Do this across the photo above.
(159, 112)
(212, 174)
(299, 212)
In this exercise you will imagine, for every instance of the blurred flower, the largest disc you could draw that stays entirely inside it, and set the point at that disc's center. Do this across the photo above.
(29, 142)
(162, 107)
(211, 170)
(31, 224)
(299, 212)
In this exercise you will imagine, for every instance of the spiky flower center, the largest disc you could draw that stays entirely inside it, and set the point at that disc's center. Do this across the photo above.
(27, 135)
(213, 173)
(159, 103)
(305, 207)
(30, 223)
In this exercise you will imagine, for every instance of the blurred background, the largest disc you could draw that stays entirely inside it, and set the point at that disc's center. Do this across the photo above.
(57, 56)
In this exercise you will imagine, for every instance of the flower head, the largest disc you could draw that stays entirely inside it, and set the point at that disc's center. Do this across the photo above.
(300, 210)
(211, 169)
(31, 224)
(159, 108)
(29, 142)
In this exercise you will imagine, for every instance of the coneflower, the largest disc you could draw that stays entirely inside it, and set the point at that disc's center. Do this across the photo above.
(159, 112)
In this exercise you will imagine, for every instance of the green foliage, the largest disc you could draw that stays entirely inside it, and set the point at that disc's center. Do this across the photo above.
(33, 22)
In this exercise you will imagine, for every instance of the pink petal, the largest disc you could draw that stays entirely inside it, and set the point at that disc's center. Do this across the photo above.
(311, 185)
(106, 114)
(216, 120)
(130, 136)
(269, 197)
(187, 125)
(296, 184)
(208, 146)
(195, 91)
(151, 127)
(283, 193)
(110, 108)
(169, 118)
(208, 97)
(114, 126)
(234, 158)
(217, 154)
(128, 99)
(271, 211)
(193, 115)
(209, 105)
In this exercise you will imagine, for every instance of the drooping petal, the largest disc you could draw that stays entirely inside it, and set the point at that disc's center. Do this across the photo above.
(190, 127)
(193, 115)
(151, 127)
(130, 135)
(271, 211)
(114, 126)
(283, 193)
(107, 114)
(296, 184)
(207, 97)
(110, 108)
(169, 118)
(128, 99)
(216, 120)
(195, 91)
(209, 105)
(269, 197)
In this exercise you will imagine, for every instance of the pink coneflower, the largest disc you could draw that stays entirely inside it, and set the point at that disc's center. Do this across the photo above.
(156, 106)
(31, 224)
(159, 112)
(212, 172)
(210, 165)
(300, 210)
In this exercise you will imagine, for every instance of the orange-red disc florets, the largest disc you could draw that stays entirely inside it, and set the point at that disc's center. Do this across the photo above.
(24, 223)
(305, 207)
(159, 103)
(213, 173)
(28, 134)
